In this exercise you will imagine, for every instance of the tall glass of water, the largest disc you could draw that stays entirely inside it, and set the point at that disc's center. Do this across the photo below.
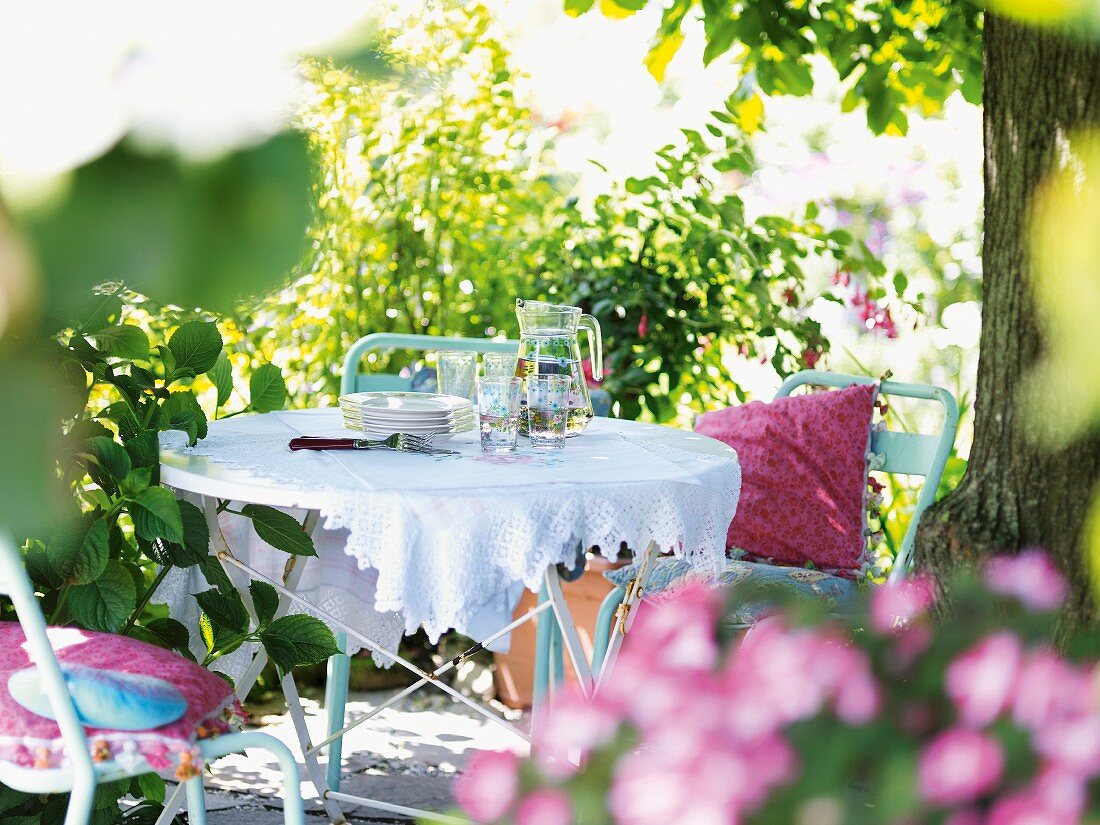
(457, 371)
(498, 408)
(547, 410)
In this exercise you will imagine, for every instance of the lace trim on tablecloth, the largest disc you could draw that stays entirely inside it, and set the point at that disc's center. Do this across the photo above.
(441, 559)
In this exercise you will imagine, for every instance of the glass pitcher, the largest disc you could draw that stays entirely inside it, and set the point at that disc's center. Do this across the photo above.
(548, 346)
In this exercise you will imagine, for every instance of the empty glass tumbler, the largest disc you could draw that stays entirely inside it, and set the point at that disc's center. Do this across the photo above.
(499, 364)
(548, 410)
(498, 409)
(457, 370)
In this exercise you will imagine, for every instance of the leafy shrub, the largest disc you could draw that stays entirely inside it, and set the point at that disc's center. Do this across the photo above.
(884, 717)
(681, 278)
(101, 566)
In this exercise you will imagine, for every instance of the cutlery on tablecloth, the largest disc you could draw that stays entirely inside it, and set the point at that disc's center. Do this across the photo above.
(402, 442)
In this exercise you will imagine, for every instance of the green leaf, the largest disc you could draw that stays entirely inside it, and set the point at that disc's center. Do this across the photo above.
(226, 611)
(265, 600)
(144, 449)
(195, 346)
(181, 411)
(110, 455)
(170, 633)
(195, 546)
(293, 641)
(136, 481)
(149, 786)
(266, 389)
(156, 514)
(104, 604)
(123, 341)
(38, 565)
(280, 530)
(221, 376)
(78, 551)
(215, 574)
(575, 8)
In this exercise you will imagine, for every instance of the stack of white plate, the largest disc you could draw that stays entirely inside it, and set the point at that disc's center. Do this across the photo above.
(380, 414)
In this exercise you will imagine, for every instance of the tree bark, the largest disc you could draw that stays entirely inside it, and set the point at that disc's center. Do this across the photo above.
(1040, 85)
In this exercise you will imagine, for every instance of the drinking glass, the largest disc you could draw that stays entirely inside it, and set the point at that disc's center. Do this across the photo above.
(457, 371)
(498, 408)
(499, 364)
(547, 410)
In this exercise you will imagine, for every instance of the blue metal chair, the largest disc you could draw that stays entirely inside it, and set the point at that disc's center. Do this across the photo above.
(904, 453)
(82, 774)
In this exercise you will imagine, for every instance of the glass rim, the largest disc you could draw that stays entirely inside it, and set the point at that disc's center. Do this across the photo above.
(451, 353)
(499, 379)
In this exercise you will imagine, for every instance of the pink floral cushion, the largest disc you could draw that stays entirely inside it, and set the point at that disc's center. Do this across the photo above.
(804, 475)
(31, 740)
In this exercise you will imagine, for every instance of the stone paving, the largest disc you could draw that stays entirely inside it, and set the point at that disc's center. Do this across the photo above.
(407, 755)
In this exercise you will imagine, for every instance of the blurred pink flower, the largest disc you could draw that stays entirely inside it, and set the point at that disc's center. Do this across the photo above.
(487, 787)
(895, 605)
(1026, 809)
(1051, 689)
(574, 726)
(959, 766)
(545, 807)
(1030, 577)
(643, 325)
(981, 681)
(1072, 744)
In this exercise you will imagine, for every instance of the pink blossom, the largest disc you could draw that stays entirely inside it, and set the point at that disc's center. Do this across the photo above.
(575, 724)
(1051, 689)
(959, 766)
(487, 787)
(981, 681)
(1073, 744)
(643, 325)
(1026, 809)
(810, 358)
(895, 605)
(545, 807)
(1030, 577)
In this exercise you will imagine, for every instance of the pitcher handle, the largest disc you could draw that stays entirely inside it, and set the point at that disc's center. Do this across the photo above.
(595, 344)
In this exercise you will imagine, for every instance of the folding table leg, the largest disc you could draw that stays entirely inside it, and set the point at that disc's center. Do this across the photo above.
(313, 766)
(336, 698)
(570, 638)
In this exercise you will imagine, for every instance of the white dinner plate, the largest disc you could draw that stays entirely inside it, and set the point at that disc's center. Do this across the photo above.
(406, 403)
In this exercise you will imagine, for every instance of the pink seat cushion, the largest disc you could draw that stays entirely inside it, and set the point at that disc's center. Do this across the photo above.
(31, 740)
(804, 475)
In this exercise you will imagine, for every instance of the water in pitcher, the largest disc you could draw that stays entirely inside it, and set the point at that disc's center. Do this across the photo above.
(548, 346)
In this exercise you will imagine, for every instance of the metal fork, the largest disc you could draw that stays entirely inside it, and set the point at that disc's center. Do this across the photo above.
(402, 442)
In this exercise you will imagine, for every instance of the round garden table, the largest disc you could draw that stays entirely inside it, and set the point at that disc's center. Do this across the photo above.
(447, 541)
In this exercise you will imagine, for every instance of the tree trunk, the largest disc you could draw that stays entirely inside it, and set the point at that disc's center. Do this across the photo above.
(1039, 86)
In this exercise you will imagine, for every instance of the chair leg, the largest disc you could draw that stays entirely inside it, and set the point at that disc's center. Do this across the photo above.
(543, 624)
(293, 810)
(81, 800)
(604, 619)
(196, 801)
(336, 699)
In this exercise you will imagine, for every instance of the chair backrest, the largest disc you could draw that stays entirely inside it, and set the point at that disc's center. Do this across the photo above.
(355, 381)
(15, 584)
(918, 454)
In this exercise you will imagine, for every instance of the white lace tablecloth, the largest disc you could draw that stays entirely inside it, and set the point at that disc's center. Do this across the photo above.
(443, 539)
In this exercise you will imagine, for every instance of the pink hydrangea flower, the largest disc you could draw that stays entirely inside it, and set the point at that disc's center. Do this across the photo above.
(967, 816)
(486, 789)
(896, 605)
(958, 766)
(575, 724)
(1073, 744)
(1050, 689)
(545, 807)
(1030, 577)
(1026, 809)
(981, 681)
